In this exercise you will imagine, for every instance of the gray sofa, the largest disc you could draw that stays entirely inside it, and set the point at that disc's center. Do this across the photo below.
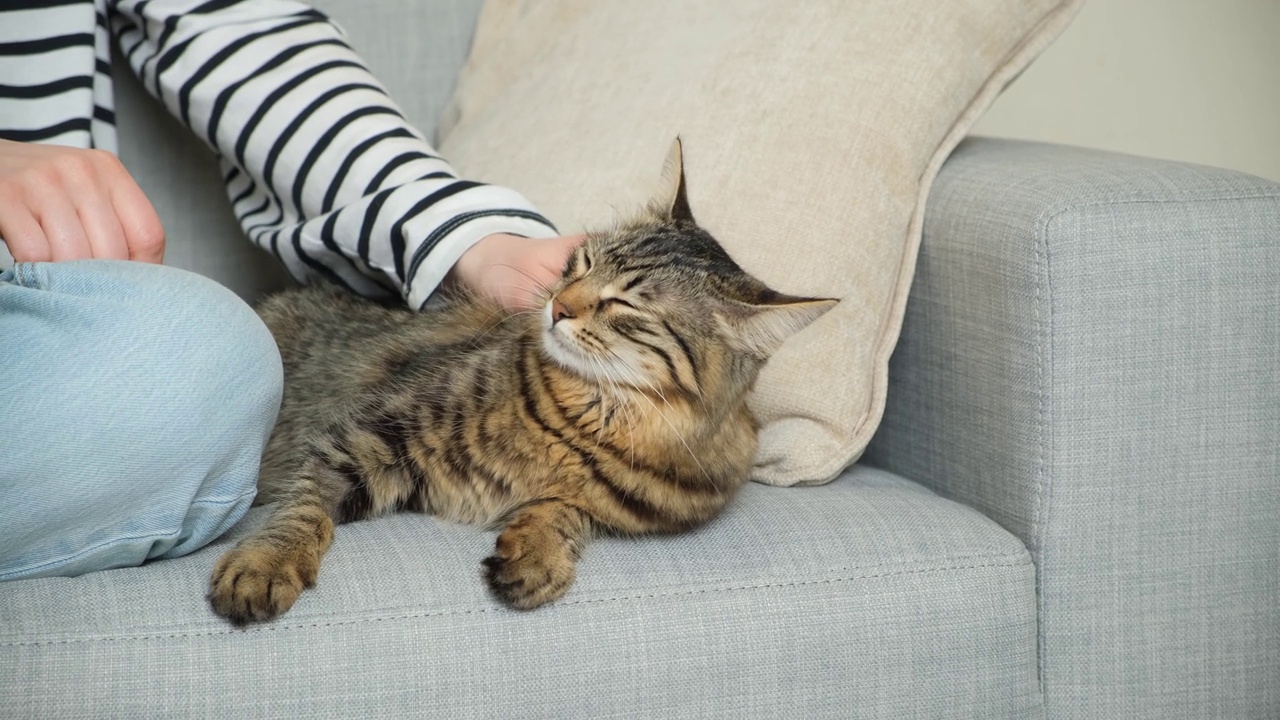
(1072, 509)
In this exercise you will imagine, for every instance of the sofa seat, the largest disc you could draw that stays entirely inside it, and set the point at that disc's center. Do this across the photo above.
(870, 596)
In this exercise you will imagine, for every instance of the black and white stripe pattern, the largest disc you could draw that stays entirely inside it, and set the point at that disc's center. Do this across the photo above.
(321, 166)
(53, 73)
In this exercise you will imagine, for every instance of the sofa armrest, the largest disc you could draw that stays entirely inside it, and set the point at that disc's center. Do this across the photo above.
(1090, 356)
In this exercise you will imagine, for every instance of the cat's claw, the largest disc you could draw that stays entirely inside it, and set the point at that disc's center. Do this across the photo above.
(528, 581)
(256, 585)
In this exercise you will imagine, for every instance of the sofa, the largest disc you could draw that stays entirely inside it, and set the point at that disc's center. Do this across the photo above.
(1071, 508)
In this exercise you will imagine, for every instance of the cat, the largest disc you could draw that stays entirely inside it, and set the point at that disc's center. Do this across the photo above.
(620, 407)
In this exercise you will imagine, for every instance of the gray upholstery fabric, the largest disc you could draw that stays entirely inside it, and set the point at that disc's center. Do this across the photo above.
(417, 55)
(1090, 358)
(869, 597)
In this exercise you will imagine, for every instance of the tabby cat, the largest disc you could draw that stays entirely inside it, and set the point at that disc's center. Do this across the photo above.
(619, 408)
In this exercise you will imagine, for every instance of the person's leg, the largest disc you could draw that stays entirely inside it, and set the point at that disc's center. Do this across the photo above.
(135, 401)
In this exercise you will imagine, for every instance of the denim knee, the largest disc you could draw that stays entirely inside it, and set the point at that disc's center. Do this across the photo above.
(136, 400)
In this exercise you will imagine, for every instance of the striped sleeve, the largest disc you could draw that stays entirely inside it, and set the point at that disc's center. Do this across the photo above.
(321, 166)
(48, 81)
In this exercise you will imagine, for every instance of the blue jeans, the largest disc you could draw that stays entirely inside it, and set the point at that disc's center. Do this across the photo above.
(135, 401)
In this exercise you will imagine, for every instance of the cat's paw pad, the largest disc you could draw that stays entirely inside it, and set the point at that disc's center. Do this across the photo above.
(526, 575)
(254, 584)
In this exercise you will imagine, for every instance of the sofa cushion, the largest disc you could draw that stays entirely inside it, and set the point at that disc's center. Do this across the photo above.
(866, 597)
(812, 132)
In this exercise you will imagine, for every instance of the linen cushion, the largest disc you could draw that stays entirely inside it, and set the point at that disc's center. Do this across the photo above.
(812, 132)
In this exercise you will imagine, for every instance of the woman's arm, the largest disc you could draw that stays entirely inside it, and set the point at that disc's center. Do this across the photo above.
(321, 166)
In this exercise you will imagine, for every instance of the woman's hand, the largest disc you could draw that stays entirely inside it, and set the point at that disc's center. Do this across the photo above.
(61, 203)
(516, 272)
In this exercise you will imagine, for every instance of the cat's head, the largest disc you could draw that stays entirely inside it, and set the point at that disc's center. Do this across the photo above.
(656, 303)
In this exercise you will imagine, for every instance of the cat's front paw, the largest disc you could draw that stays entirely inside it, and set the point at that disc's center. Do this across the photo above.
(527, 571)
(255, 584)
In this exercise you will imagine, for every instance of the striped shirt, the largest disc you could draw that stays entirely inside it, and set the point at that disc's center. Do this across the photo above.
(321, 166)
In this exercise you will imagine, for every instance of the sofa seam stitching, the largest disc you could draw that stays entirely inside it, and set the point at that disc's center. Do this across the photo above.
(486, 610)
(1022, 555)
(1045, 353)
(1052, 213)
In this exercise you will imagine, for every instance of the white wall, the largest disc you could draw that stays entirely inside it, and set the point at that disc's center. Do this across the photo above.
(1193, 80)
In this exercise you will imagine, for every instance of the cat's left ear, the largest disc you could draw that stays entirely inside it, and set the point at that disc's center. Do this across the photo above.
(758, 329)
(672, 200)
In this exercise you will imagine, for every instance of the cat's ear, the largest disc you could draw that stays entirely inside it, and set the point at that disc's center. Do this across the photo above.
(758, 329)
(672, 200)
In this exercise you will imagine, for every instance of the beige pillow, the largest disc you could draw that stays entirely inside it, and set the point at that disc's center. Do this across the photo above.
(812, 131)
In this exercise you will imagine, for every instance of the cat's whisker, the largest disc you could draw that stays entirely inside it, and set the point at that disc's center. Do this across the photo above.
(506, 316)
(542, 290)
(603, 369)
(676, 432)
(629, 418)
(631, 434)
(612, 386)
(537, 291)
(626, 408)
(638, 379)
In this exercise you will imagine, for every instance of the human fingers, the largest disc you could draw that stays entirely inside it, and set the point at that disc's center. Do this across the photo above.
(62, 227)
(102, 228)
(560, 249)
(68, 193)
(531, 279)
(551, 256)
(89, 192)
(21, 232)
(143, 233)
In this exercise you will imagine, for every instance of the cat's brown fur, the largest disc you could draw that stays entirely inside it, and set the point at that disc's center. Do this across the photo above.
(620, 407)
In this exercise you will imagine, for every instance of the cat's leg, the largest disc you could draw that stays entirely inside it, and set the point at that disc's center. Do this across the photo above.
(536, 554)
(264, 574)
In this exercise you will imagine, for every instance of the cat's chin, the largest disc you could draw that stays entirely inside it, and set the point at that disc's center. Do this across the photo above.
(563, 353)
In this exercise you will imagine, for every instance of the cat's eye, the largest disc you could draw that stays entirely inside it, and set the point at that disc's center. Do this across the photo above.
(606, 302)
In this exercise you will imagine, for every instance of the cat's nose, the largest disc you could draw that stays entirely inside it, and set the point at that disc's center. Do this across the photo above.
(559, 311)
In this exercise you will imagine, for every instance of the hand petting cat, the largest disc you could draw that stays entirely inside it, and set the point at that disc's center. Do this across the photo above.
(516, 272)
(60, 203)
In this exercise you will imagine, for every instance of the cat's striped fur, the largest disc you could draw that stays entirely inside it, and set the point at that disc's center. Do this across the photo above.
(620, 407)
